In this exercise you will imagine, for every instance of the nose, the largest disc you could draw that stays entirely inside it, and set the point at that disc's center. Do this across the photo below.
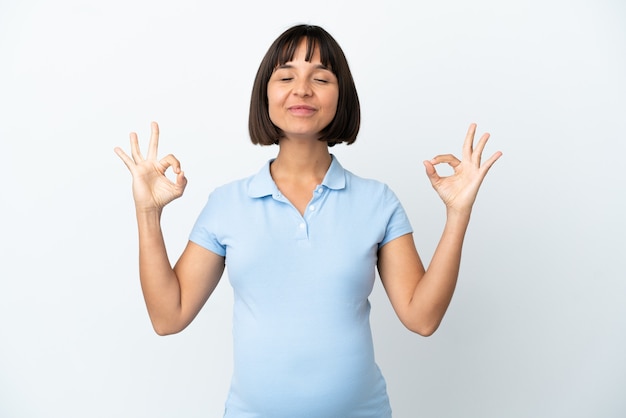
(302, 88)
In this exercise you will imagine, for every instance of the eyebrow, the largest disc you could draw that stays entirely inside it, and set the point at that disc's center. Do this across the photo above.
(317, 67)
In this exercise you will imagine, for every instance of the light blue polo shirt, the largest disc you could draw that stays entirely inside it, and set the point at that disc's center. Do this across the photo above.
(302, 338)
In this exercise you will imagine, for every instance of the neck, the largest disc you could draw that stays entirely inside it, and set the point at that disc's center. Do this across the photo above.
(301, 160)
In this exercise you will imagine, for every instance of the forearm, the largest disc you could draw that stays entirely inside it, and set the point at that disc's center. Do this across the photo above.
(160, 286)
(434, 291)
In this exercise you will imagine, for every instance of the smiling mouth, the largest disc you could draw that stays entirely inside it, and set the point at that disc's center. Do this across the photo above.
(302, 108)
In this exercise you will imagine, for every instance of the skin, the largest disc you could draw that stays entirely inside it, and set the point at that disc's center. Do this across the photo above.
(302, 99)
(302, 96)
(421, 297)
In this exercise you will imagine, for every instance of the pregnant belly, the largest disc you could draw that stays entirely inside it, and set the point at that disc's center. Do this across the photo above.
(307, 378)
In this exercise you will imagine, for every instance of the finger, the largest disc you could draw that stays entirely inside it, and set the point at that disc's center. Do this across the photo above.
(181, 180)
(449, 159)
(431, 172)
(468, 145)
(134, 148)
(154, 141)
(125, 158)
(171, 161)
(487, 165)
(478, 151)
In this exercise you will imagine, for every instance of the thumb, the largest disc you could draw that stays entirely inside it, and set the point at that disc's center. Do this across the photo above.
(430, 171)
(181, 180)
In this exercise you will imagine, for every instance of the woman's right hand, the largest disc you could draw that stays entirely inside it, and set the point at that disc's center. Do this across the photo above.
(152, 190)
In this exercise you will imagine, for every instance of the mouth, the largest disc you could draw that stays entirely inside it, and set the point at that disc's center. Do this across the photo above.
(301, 109)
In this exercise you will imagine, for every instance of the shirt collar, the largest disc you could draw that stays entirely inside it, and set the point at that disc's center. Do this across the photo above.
(262, 184)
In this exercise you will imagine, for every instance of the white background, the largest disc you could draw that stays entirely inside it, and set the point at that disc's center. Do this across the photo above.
(537, 327)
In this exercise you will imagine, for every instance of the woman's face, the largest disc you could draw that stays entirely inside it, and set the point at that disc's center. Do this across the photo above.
(302, 96)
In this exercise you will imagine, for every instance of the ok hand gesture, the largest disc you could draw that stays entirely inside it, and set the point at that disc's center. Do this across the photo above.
(152, 190)
(459, 190)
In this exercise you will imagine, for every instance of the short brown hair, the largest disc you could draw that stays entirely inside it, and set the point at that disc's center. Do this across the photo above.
(345, 125)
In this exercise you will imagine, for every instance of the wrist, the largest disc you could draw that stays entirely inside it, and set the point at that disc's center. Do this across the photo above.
(458, 215)
(148, 215)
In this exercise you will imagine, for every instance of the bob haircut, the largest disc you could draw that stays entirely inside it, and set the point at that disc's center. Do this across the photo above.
(346, 123)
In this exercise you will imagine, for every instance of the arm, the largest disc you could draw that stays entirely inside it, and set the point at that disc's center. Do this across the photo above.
(421, 297)
(173, 296)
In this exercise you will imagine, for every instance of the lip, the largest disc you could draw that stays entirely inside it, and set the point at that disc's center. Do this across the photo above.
(301, 109)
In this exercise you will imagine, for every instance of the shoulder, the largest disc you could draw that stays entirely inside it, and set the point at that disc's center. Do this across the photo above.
(224, 204)
(255, 185)
(224, 199)
(368, 186)
(231, 188)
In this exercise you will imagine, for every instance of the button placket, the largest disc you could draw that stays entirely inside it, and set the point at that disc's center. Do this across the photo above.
(302, 231)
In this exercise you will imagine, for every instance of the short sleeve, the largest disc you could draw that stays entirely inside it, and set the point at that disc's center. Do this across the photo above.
(398, 223)
(205, 231)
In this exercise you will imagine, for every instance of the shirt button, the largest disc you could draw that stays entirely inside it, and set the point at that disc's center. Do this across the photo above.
(302, 225)
(312, 207)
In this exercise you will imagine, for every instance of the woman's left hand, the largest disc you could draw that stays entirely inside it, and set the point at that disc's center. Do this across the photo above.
(458, 191)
